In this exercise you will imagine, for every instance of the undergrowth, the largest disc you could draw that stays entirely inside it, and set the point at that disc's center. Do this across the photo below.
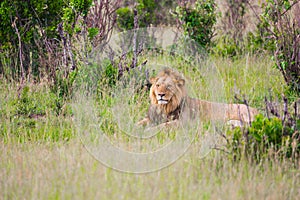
(30, 113)
(36, 112)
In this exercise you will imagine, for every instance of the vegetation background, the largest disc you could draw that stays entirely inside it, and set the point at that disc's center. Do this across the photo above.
(44, 48)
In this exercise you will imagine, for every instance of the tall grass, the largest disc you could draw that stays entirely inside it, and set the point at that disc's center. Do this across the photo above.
(42, 157)
(29, 113)
(67, 171)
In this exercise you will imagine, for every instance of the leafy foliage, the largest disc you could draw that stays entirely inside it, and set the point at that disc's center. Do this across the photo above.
(230, 37)
(198, 21)
(267, 135)
(125, 18)
(73, 11)
(22, 24)
(31, 114)
(146, 15)
(278, 31)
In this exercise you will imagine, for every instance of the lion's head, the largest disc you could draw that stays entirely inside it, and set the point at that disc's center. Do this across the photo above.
(167, 90)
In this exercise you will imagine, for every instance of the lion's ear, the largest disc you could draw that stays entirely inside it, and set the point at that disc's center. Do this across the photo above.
(181, 82)
(153, 80)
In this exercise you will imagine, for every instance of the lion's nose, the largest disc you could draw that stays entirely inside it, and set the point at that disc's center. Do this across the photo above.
(161, 95)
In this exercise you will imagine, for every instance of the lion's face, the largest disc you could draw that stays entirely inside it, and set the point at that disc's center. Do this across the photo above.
(164, 88)
(167, 90)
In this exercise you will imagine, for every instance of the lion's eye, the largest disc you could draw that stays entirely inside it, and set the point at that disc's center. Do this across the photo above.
(157, 85)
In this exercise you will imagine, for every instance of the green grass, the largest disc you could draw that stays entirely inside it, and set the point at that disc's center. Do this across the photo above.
(68, 171)
(29, 113)
(42, 157)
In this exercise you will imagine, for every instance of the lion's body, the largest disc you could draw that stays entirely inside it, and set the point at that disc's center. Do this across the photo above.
(169, 102)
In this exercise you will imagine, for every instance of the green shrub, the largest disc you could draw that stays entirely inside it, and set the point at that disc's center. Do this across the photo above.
(146, 15)
(71, 13)
(231, 28)
(34, 21)
(198, 21)
(264, 136)
(278, 31)
(33, 103)
(226, 47)
(146, 10)
(125, 18)
(30, 114)
(110, 73)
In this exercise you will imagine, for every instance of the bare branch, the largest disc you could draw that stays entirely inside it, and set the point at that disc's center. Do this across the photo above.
(20, 50)
(220, 149)
(289, 8)
(102, 16)
(136, 25)
(285, 109)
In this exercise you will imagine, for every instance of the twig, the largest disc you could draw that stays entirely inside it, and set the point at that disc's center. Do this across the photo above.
(20, 51)
(220, 149)
(67, 51)
(285, 109)
(296, 110)
(286, 10)
(248, 110)
(258, 18)
(62, 36)
(73, 67)
(271, 108)
(135, 21)
(267, 108)
(224, 136)
(239, 110)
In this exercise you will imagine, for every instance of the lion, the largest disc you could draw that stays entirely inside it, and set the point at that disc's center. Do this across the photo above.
(170, 103)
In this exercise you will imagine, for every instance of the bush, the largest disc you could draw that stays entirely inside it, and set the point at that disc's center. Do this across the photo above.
(198, 21)
(226, 46)
(24, 24)
(267, 137)
(278, 30)
(109, 76)
(231, 39)
(145, 13)
(33, 103)
(30, 114)
(125, 18)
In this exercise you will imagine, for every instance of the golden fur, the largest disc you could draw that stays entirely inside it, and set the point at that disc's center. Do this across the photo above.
(170, 102)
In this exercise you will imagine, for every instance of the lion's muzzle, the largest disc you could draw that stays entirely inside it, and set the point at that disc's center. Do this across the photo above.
(161, 99)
